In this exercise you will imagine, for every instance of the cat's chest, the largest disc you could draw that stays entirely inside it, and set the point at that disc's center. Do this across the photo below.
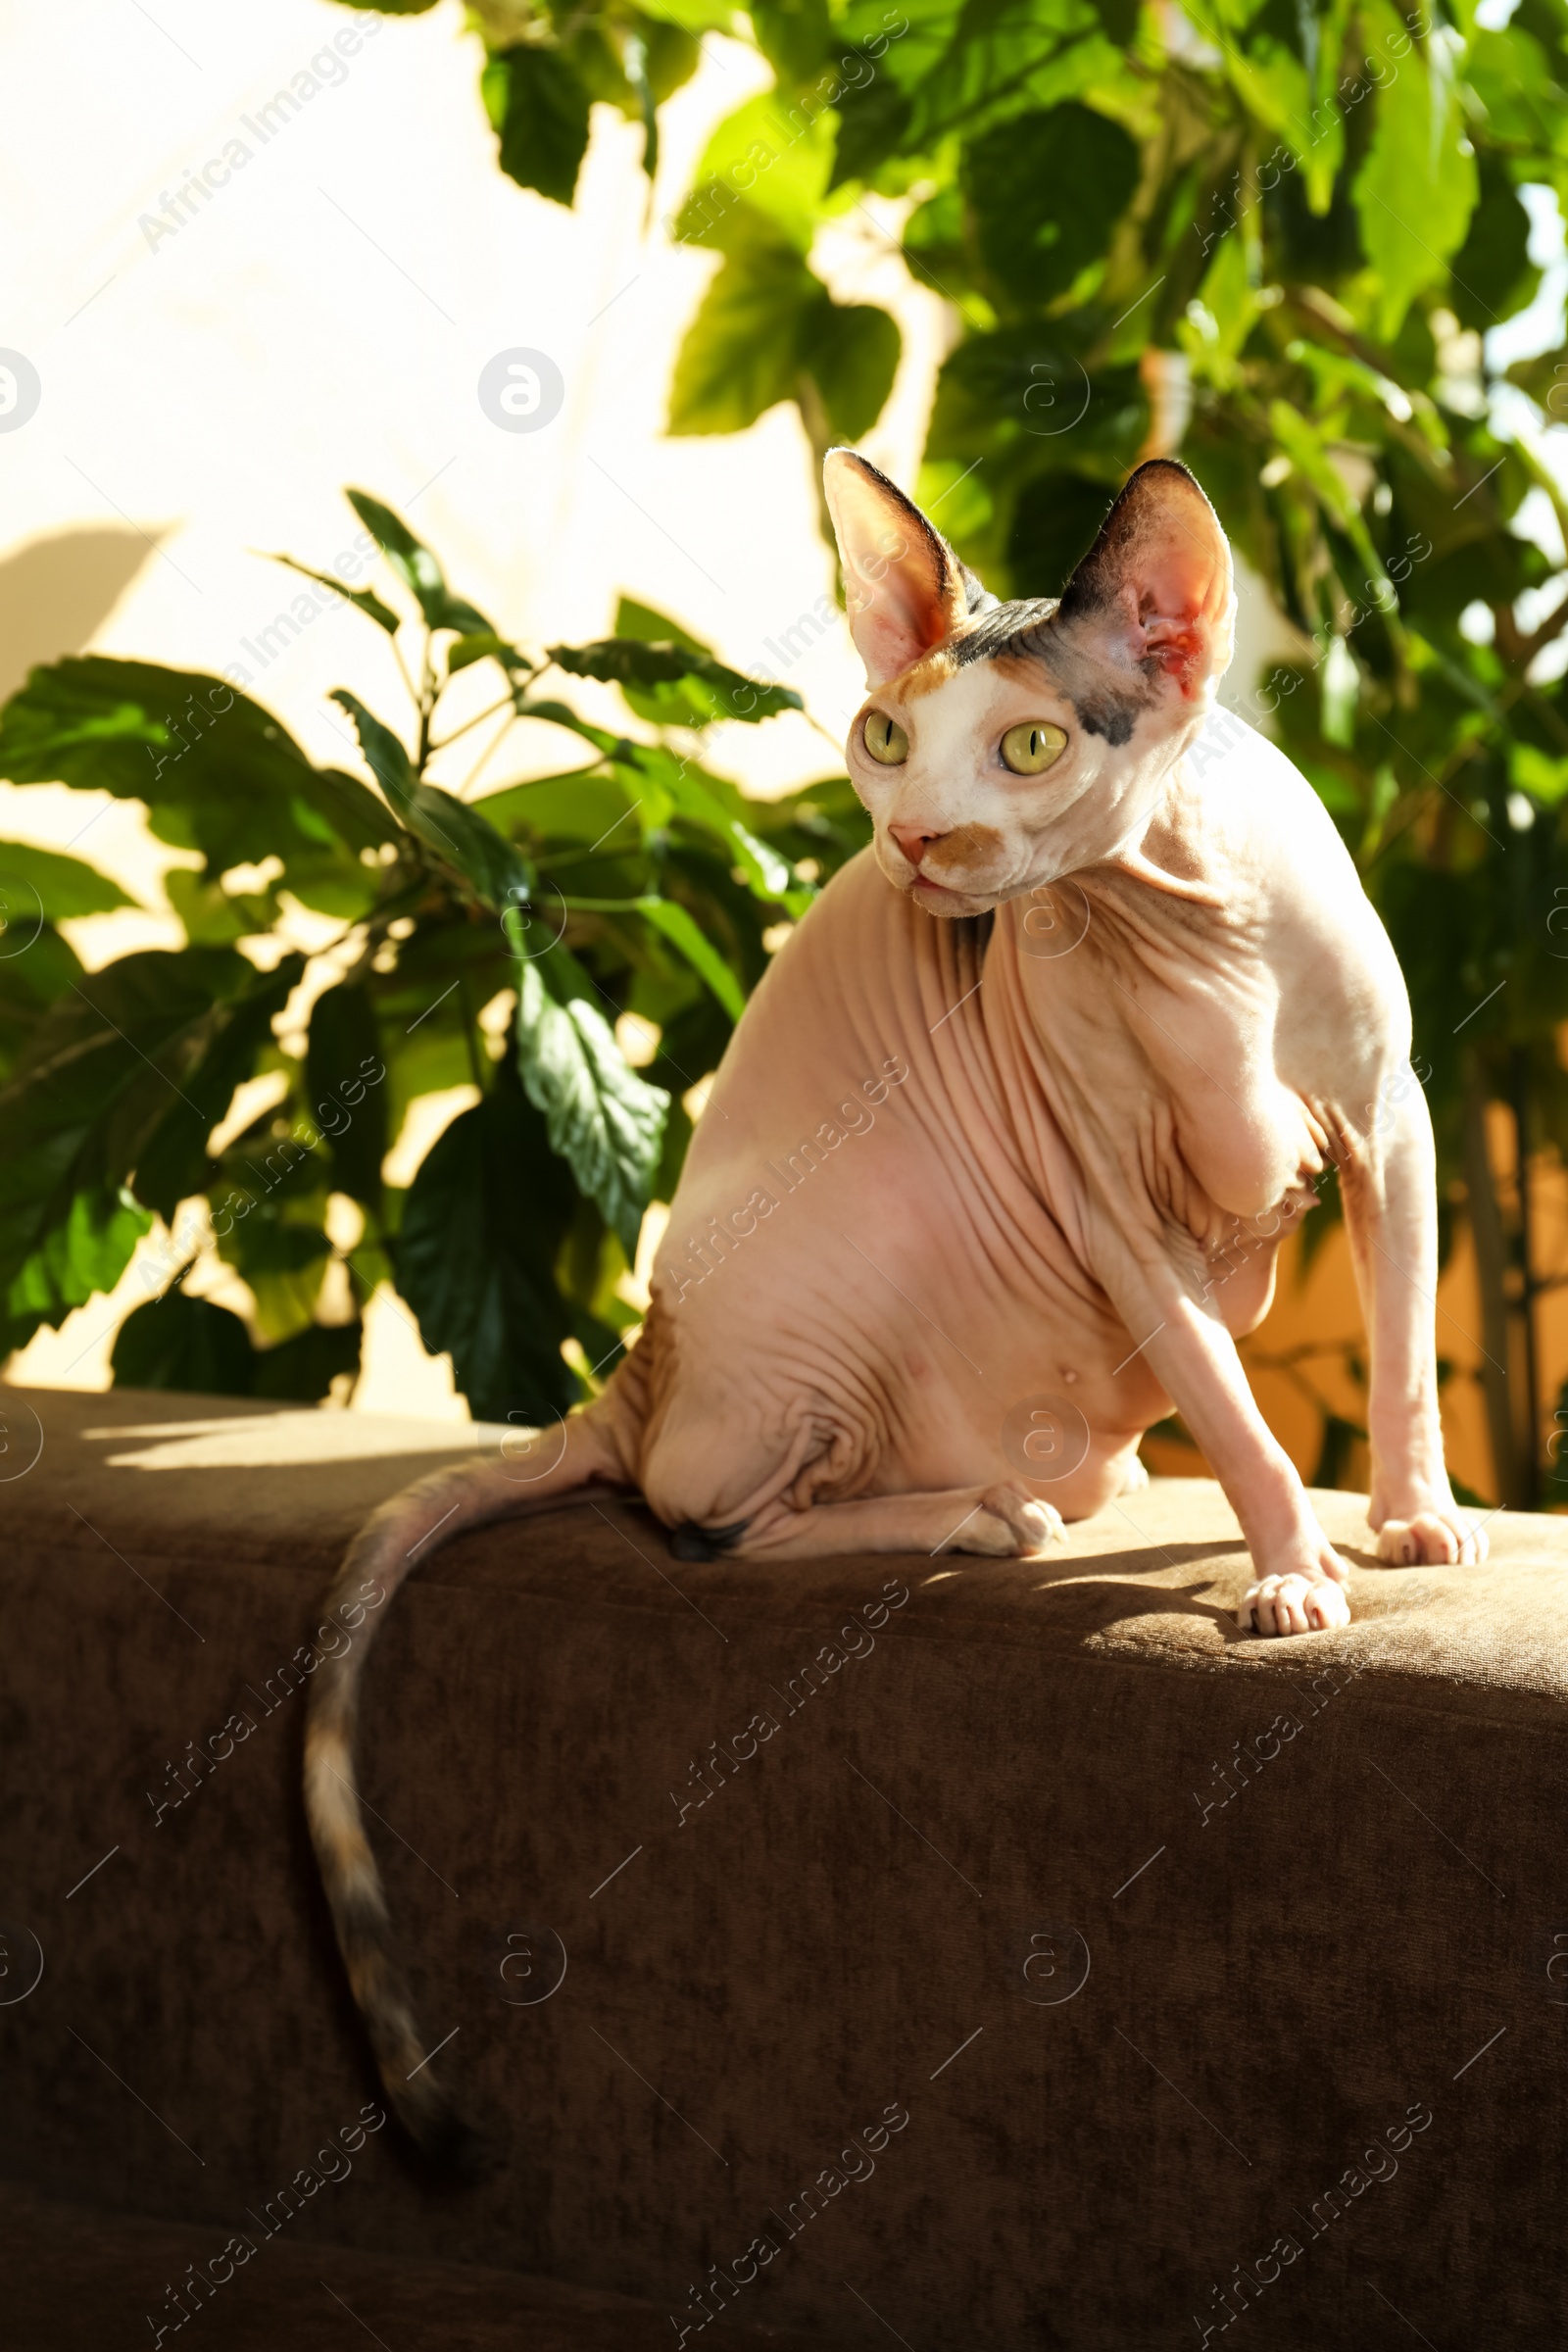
(1176, 1051)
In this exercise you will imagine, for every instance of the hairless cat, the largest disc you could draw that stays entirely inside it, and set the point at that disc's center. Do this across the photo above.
(996, 1165)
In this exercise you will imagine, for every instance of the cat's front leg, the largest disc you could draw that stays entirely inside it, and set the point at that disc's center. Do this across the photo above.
(1303, 1582)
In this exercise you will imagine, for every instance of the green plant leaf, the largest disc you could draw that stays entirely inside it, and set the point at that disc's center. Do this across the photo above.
(303, 1369)
(630, 660)
(680, 929)
(363, 600)
(741, 354)
(667, 706)
(193, 1346)
(692, 16)
(963, 71)
(417, 567)
(277, 1167)
(1300, 438)
(604, 1120)
(1415, 192)
(1222, 317)
(128, 1072)
(539, 109)
(827, 821)
(766, 321)
(764, 174)
(482, 1225)
(385, 753)
(46, 884)
(184, 1344)
(85, 1253)
(851, 351)
(875, 120)
(484, 646)
(333, 806)
(1543, 776)
(284, 1261)
(704, 689)
(1047, 192)
(343, 1097)
(580, 806)
(29, 983)
(633, 619)
(794, 35)
(217, 771)
(214, 917)
(216, 1054)
(498, 873)
(706, 801)
(426, 1004)
(1279, 90)
(467, 841)
(1492, 276)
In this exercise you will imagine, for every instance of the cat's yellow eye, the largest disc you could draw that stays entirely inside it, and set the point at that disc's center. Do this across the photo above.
(1034, 747)
(884, 739)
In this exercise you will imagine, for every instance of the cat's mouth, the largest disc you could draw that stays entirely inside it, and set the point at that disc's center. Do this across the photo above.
(939, 898)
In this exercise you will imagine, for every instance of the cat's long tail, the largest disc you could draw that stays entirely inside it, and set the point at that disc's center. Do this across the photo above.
(395, 1540)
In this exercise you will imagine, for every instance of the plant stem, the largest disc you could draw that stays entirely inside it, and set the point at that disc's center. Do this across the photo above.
(403, 672)
(429, 695)
(477, 720)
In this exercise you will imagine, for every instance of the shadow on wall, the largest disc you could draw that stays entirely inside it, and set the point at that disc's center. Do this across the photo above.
(57, 593)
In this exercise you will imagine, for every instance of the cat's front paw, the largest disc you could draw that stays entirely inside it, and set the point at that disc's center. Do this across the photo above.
(1445, 1537)
(1294, 1605)
(1309, 1599)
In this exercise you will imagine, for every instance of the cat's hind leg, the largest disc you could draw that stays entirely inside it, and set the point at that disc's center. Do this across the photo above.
(1000, 1522)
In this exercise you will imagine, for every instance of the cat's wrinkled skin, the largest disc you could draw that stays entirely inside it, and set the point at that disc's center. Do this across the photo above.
(1070, 1050)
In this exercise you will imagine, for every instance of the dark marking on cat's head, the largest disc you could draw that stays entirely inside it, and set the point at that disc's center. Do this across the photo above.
(1107, 712)
(1015, 630)
(1026, 629)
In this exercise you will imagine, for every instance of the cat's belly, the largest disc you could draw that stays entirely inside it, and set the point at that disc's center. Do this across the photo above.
(834, 1391)
(897, 1310)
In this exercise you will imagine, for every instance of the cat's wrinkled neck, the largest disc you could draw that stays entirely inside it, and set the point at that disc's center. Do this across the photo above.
(1167, 848)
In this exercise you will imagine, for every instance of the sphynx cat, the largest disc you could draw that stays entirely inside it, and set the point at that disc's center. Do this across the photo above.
(996, 1165)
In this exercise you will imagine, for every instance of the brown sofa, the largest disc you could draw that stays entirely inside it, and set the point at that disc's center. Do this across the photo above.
(975, 1953)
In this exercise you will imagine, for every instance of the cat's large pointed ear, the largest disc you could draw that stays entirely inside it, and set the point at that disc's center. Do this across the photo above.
(904, 587)
(1155, 590)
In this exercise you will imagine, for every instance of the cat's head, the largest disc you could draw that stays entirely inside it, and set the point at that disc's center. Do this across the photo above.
(1005, 746)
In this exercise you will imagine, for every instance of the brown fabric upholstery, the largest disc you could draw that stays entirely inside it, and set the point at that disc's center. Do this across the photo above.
(864, 1914)
(74, 2279)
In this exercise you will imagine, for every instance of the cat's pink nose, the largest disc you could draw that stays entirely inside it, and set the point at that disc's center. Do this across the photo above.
(913, 842)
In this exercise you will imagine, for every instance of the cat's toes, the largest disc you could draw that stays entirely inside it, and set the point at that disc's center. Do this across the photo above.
(1135, 1478)
(1011, 1524)
(1294, 1605)
(1444, 1537)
